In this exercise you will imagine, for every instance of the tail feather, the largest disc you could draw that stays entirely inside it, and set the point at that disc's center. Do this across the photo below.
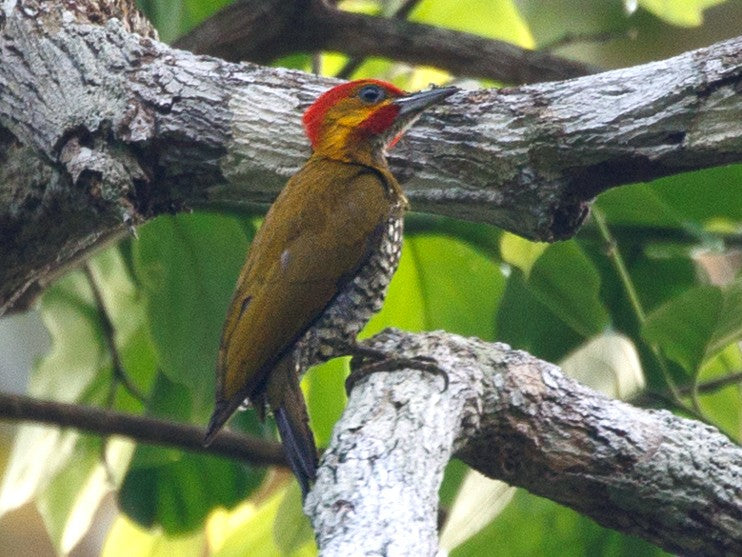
(287, 401)
(282, 393)
(298, 444)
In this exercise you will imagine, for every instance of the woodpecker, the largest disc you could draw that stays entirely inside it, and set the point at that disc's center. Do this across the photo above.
(319, 266)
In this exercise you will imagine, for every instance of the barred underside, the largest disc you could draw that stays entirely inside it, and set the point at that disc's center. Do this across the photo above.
(352, 308)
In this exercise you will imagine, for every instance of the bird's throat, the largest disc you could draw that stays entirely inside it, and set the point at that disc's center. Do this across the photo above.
(352, 146)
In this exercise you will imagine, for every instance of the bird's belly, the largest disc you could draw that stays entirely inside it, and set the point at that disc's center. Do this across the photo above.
(359, 300)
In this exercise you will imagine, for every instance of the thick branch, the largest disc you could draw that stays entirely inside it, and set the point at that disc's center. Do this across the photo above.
(142, 429)
(124, 128)
(672, 481)
(263, 30)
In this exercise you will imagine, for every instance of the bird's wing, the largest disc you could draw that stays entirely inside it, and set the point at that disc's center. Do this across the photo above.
(315, 238)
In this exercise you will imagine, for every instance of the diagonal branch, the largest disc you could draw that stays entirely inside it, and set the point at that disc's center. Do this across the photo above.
(120, 376)
(672, 481)
(142, 429)
(146, 129)
(353, 63)
(263, 30)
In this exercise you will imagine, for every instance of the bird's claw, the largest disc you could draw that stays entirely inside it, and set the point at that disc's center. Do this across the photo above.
(388, 363)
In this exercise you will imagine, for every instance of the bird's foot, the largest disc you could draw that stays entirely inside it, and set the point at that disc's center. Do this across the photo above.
(384, 361)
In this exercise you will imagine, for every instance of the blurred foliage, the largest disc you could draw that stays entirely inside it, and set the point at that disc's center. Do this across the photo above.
(676, 309)
(533, 526)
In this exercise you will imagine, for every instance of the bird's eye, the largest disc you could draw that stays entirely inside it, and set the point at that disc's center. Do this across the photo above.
(371, 94)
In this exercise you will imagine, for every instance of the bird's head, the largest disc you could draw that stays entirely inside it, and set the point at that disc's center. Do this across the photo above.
(356, 121)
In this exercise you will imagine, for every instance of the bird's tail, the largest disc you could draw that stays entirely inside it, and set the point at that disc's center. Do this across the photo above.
(293, 426)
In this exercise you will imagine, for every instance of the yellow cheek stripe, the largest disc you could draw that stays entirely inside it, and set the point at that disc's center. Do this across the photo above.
(339, 136)
(333, 145)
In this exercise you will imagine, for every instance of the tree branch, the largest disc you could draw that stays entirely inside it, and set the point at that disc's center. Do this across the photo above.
(353, 63)
(109, 332)
(713, 385)
(124, 128)
(142, 429)
(263, 30)
(672, 481)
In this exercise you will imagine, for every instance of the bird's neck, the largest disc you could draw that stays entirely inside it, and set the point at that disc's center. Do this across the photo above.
(344, 148)
(319, 161)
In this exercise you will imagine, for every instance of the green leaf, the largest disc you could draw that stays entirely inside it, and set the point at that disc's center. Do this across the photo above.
(526, 323)
(69, 498)
(551, 20)
(250, 530)
(530, 525)
(69, 503)
(639, 204)
(291, 527)
(175, 489)
(565, 280)
(461, 288)
(125, 309)
(686, 13)
(187, 266)
(127, 538)
(723, 406)
(484, 238)
(683, 326)
(299, 61)
(62, 468)
(325, 394)
(369, 7)
(690, 200)
(728, 328)
(173, 18)
(78, 348)
(453, 475)
(520, 252)
(180, 494)
(79, 357)
(608, 363)
(38, 453)
(199, 10)
(697, 324)
(703, 194)
(656, 277)
(479, 500)
(497, 19)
